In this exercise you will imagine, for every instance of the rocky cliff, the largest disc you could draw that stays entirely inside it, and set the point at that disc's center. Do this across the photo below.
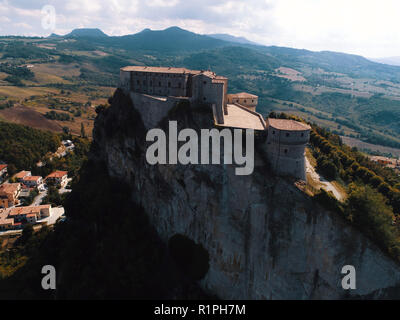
(265, 238)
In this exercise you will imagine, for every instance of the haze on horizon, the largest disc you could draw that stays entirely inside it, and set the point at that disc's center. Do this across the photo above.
(364, 27)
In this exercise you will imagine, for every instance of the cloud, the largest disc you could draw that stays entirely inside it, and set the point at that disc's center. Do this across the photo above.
(367, 27)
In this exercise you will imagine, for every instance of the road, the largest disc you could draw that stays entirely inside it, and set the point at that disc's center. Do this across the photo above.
(325, 184)
(38, 200)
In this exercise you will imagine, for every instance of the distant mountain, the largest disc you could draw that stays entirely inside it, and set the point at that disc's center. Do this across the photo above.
(53, 35)
(230, 38)
(178, 42)
(394, 61)
(173, 39)
(86, 32)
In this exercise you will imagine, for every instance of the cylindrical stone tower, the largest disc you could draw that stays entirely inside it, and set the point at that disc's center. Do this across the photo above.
(286, 144)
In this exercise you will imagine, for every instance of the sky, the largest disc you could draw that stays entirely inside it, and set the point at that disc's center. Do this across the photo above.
(366, 27)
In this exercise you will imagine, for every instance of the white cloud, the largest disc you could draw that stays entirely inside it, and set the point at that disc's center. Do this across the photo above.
(22, 25)
(162, 3)
(367, 27)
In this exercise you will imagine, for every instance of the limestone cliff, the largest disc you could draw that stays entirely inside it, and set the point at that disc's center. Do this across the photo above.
(265, 238)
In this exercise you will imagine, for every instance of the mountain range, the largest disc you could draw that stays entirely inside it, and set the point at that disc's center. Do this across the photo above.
(178, 39)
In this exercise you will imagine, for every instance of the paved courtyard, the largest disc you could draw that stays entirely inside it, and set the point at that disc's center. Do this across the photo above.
(239, 118)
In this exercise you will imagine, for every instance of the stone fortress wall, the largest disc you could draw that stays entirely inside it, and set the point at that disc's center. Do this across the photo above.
(247, 100)
(156, 90)
(199, 86)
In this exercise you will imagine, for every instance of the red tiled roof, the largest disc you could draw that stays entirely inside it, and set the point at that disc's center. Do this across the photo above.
(57, 174)
(289, 125)
(9, 188)
(32, 178)
(2, 166)
(171, 70)
(26, 210)
(21, 174)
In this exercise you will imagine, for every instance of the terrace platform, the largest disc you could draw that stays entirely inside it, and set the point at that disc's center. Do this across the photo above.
(241, 117)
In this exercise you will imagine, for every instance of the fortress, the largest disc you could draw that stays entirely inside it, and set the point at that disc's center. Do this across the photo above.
(156, 90)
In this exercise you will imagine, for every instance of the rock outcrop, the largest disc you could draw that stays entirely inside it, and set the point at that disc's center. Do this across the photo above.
(265, 238)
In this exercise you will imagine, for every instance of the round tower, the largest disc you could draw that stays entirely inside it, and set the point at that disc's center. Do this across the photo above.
(286, 143)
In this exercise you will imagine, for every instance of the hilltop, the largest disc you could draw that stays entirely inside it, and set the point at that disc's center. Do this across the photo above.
(86, 32)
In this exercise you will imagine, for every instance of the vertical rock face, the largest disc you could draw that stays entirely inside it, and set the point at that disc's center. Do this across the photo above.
(265, 238)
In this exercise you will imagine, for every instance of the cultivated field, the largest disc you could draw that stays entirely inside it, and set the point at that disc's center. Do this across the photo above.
(352, 142)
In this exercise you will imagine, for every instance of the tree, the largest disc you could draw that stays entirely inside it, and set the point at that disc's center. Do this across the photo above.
(66, 130)
(83, 133)
(26, 233)
(368, 210)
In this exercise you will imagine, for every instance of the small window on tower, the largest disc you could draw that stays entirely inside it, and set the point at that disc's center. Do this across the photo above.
(302, 134)
(287, 134)
(286, 151)
(169, 84)
(273, 132)
(159, 84)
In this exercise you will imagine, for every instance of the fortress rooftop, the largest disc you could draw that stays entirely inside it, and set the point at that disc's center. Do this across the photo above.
(244, 95)
(171, 70)
(290, 125)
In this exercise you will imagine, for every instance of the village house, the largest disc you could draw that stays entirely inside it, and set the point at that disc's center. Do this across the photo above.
(57, 178)
(3, 170)
(387, 162)
(9, 193)
(33, 181)
(12, 218)
(20, 176)
(6, 223)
